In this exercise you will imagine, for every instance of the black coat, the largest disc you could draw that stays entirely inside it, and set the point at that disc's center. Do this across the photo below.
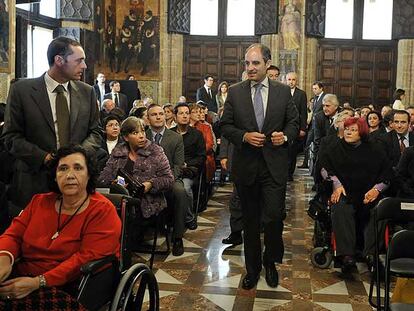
(205, 97)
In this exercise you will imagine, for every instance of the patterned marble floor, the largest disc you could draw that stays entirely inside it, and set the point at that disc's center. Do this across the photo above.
(208, 275)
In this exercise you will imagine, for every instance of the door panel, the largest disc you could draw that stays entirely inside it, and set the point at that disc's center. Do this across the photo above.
(360, 74)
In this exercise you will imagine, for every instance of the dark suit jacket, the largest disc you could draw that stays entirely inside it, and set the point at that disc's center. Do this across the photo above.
(300, 100)
(173, 146)
(123, 101)
(29, 130)
(239, 118)
(322, 127)
(98, 93)
(205, 97)
(317, 106)
(391, 144)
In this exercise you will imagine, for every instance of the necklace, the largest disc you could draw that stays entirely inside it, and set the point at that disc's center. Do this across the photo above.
(59, 228)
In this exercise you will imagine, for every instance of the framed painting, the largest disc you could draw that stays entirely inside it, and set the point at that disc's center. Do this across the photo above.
(5, 35)
(127, 38)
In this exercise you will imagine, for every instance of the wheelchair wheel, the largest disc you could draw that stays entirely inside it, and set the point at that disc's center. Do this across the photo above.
(321, 257)
(132, 287)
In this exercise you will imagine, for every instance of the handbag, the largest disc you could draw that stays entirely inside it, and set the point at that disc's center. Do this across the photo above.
(135, 188)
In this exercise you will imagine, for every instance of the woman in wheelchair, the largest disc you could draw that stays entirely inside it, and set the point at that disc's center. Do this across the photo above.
(145, 161)
(359, 171)
(42, 251)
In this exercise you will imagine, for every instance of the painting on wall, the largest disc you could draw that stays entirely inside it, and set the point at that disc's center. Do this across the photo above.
(4, 35)
(127, 38)
(290, 34)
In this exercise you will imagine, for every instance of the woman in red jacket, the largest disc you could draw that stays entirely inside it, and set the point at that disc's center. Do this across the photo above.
(55, 235)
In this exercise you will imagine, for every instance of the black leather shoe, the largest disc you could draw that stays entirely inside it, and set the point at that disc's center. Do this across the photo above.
(178, 247)
(250, 281)
(234, 238)
(192, 225)
(272, 277)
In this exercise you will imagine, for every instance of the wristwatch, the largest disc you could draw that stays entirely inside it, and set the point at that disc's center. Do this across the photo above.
(42, 281)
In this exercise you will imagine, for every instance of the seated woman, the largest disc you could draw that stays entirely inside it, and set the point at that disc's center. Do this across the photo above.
(144, 160)
(359, 170)
(169, 115)
(58, 232)
(374, 121)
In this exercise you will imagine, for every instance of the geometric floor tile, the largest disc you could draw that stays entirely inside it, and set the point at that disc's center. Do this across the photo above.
(374, 294)
(335, 289)
(204, 220)
(335, 306)
(262, 285)
(184, 255)
(188, 243)
(262, 304)
(238, 260)
(214, 203)
(162, 293)
(225, 302)
(164, 277)
(232, 282)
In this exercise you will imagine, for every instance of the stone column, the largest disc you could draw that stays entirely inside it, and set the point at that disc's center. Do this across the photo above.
(272, 41)
(405, 68)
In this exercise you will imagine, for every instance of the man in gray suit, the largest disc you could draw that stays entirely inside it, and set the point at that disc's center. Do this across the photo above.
(173, 146)
(32, 131)
(260, 119)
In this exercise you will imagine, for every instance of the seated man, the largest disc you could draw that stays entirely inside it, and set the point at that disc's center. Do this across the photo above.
(173, 146)
(108, 108)
(194, 156)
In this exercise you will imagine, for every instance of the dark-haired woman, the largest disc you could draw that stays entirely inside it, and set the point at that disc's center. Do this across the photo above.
(144, 160)
(398, 97)
(55, 235)
(374, 121)
(360, 171)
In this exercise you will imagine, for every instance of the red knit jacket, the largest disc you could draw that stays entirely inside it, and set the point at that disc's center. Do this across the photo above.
(92, 234)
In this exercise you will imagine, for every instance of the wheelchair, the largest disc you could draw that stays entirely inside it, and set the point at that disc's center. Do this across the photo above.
(115, 283)
(323, 240)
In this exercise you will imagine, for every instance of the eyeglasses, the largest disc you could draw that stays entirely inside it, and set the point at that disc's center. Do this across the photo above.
(112, 125)
(352, 130)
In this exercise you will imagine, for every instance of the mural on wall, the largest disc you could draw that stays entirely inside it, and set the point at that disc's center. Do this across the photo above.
(290, 35)
(4, 36)
(127, 38)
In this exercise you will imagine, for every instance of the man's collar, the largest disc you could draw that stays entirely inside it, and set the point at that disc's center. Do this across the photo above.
(154, 132)
(264, 82)
(51, 83)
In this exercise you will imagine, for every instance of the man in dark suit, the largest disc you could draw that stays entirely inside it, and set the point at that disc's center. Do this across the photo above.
(173, 146)
(46, 113)
(300, 101)
(120, 100)
(396, 141)
(101, 88)
(206, 94)
(323, 121)
(317, 89)
(260, 119)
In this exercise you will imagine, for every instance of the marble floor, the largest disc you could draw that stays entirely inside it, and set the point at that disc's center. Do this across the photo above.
(208, 275)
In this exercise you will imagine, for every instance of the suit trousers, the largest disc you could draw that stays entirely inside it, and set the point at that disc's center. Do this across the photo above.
(177, 199)
(236, 216)
(264, 199)
(349, 223)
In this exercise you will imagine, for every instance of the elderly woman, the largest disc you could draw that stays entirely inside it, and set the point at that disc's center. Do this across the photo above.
(359, 170)
(143, 159)
(56, 234)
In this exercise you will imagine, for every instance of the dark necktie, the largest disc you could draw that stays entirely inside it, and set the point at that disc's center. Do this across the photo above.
(116, 100)
(62, 116)
(402, 145)
(258, 105)
(209, 93)
(158, 137)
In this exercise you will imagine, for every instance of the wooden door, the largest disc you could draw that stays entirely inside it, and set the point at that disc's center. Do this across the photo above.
(221, 58)
(359, 74)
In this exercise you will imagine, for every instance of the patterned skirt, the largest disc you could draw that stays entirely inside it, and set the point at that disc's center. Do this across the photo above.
(43, 299)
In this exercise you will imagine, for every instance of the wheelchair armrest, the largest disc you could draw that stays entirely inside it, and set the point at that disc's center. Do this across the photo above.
(97, 265)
